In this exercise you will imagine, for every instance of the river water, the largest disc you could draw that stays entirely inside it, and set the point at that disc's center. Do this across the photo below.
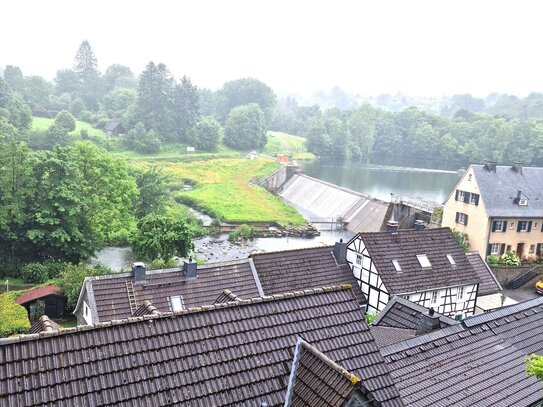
(376, 180)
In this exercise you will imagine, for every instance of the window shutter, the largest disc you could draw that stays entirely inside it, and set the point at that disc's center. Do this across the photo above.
(466, 217)
(538, 250)
(457, 193)
(502, 249)
(466, 197)
(493, 225)
(476, 199)
(518, 226)
(504, 225)
(457, 215)
(529, 226)
(488, 249)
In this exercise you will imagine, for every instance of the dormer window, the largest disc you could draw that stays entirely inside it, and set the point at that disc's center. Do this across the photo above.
(451, 260)
(423, 261)
(177, 303)
(396, 265)
(523, 202)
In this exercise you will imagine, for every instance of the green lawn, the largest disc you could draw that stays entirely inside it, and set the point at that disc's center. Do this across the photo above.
(224, 187)
(42, 123)
(283, 143)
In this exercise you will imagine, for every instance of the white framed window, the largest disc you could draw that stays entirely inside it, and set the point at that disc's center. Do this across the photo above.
(499, 226)
(177, 303)
(87, 313)
(461, 196)
(522, 226)
(423, 260)
(359, 259)
(532, 249)
(396, 265)
(461, 218)
(474, 199)
(408, 297)
(451, 260)
(494, 248)
(460, 294)
(433, 300)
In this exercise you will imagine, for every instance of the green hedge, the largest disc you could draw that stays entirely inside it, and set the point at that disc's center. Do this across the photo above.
(13, 317)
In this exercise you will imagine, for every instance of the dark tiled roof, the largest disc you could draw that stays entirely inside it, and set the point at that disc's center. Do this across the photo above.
(112, 125)
(146, 308)
(386, 335)
(488, 284)
(316, 380)
(227, 354)
(110, 295)
(405, 314)
(37, 293)
(520, 324)
(404, 247)
(479, 362)
(499, 189)
(44, 324)
(301, 269)
(227, 296)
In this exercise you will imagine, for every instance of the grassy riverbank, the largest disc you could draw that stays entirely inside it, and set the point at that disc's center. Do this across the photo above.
(223, 189)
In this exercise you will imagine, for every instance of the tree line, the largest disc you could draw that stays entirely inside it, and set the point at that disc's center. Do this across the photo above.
(156, 110)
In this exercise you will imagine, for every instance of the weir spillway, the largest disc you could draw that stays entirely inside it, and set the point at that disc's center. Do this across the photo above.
(318, 201)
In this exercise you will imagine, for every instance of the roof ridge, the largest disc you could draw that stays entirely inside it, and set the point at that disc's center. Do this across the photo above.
(329, 362)
(290, 250)
(501, 312)
(192, 310)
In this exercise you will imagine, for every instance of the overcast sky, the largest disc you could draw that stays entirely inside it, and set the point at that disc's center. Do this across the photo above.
(421, 48)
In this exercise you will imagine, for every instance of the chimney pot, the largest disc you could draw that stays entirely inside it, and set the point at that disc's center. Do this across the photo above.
(392, 226)
(340, 252)
(490, 166)
(428, 322)
(190, 268)
(517, 167)
(420, 225)
(140, 272)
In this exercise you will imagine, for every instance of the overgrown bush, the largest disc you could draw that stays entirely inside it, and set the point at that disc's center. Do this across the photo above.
(13, 317)
(54, 267)
(158, 264)
(493, 260)
(71, 280)
(245, 232)
(35, 273)
(510, 259)
(370, 316)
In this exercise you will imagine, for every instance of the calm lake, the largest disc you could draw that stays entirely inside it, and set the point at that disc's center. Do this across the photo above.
(376, 180)
(380, 181)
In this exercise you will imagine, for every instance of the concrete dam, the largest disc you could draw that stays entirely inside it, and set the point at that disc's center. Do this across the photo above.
(322, 202)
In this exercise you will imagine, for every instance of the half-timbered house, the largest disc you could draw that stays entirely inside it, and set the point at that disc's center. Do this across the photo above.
(425, 266)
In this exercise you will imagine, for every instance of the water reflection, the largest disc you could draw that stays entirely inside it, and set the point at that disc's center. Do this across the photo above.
(382, 181)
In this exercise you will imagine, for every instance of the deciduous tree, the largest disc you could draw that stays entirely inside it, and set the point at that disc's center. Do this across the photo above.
(245, 128)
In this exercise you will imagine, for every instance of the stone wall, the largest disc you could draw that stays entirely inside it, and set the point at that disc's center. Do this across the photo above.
(506, 274)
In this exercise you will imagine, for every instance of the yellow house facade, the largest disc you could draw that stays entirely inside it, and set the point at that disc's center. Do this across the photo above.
(500, 208)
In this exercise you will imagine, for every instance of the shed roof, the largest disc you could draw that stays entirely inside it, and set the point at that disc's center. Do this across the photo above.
(37, 293)
(301, 269)
(112, 125)
(499, 189)
(109, 295)
(226, 354)
(489, 284)
(478, 362)
(404, 246)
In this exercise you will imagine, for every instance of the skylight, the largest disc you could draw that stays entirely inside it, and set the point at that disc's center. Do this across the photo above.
(451, 260)
(396, 265)
(177, 303)
(423, 260)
